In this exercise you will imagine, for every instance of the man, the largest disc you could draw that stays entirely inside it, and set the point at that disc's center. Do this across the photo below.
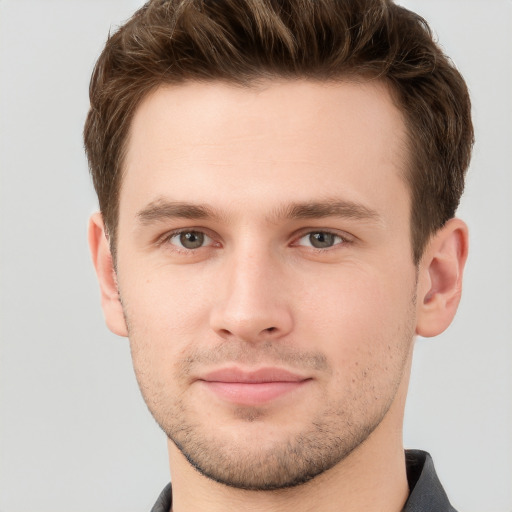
(277, 183)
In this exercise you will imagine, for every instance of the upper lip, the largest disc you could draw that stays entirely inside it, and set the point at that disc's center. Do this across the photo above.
(259, 375)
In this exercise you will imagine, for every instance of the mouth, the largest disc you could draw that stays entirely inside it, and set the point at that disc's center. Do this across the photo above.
(254, 387)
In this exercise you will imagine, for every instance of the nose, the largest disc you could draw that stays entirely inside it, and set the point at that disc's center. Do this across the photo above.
(252, 304)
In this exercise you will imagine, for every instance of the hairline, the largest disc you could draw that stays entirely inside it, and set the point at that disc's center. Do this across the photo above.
(406, 170)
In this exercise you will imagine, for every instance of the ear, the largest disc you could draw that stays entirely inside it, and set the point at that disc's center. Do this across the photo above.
(440, 278)
(102, 260)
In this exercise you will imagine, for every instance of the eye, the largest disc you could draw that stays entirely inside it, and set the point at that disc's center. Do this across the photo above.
(190, 239)
(320, 240)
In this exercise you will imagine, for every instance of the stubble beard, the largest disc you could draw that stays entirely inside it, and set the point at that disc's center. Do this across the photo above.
(286, 463)
(331, 436)
(289, 460)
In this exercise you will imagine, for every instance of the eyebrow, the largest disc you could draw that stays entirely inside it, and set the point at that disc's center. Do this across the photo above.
(327, 208)
(163, 209)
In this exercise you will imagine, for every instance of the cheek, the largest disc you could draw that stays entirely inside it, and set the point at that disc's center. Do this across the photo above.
(167, 315)
(351, 313)
(359, 319)
(358, 299)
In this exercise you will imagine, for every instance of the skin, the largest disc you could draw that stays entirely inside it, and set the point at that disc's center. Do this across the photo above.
(257, 176)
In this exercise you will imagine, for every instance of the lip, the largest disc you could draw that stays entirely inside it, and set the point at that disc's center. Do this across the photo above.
(252, 387)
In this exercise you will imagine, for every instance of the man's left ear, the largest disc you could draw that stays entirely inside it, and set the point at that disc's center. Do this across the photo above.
(440, 278)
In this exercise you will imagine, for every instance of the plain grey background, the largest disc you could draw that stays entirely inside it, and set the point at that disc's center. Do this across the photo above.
(74, 433)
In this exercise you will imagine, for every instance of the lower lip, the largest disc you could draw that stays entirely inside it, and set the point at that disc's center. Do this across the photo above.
(252, 393)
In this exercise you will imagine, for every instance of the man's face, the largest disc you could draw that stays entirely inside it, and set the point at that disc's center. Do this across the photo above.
(265, 270)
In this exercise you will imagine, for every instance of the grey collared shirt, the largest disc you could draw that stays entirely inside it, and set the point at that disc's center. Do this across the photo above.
(426, 492)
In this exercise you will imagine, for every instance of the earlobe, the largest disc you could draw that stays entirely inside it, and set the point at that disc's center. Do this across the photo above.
(440, 278)
(102, 260)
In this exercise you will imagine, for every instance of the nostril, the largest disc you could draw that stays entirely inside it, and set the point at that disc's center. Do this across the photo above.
(270, 329)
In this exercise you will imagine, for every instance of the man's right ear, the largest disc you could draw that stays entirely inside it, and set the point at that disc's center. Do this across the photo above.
(102, 260)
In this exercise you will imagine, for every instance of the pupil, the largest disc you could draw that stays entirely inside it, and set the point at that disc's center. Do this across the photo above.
(321, 240)
(192, 239)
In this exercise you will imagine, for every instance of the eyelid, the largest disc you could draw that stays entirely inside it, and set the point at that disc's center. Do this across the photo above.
(345, 238)
(169, 235)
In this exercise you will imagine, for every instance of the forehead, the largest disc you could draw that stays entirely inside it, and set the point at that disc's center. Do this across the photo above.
(277, 140)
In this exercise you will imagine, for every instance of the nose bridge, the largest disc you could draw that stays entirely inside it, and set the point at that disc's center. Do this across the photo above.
(252, 304)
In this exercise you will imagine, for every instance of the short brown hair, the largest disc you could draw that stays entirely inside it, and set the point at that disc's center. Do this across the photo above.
(242, 41)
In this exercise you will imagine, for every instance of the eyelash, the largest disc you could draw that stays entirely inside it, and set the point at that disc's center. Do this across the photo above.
(166, 239)
(343, 240)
